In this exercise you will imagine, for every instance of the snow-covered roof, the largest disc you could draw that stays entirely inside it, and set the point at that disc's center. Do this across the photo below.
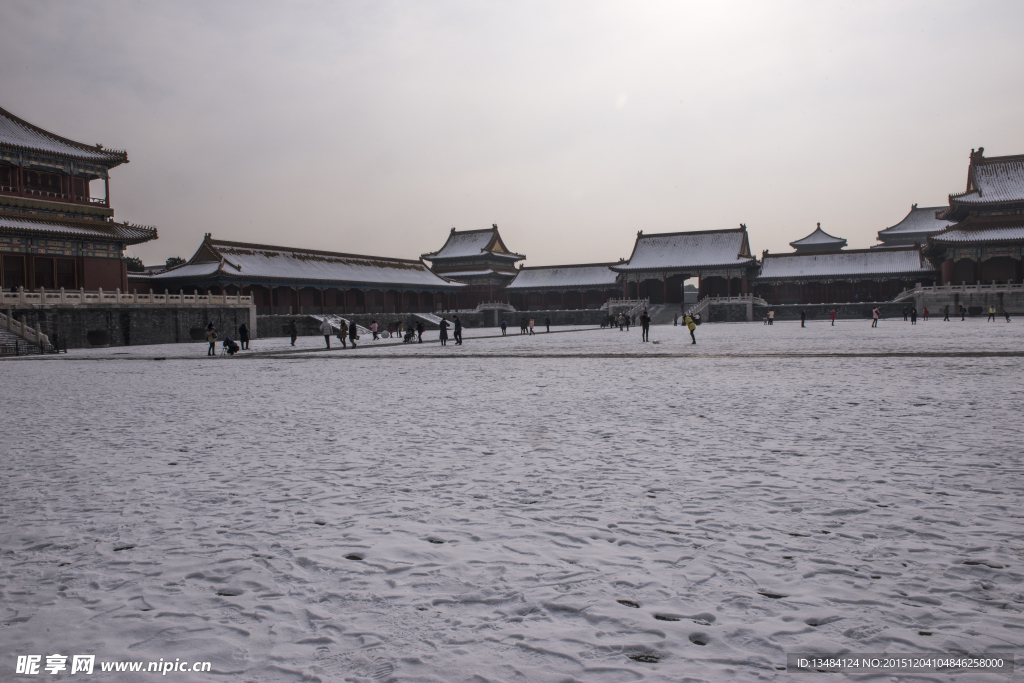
(466, 243)
(854, 263)
(15, 132)
(920, 221)
(242, 261)
(471, 273)
(585, 275)
(819, 240)
(682, 250)
(970, 233)
(992, 181)
(69, 227)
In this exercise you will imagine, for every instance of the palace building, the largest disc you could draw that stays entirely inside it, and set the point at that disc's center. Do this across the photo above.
(290, 280)
(480, 260)
(832, 277)
(53, 233)
(578, 286)
(984, 242)
(661, 263)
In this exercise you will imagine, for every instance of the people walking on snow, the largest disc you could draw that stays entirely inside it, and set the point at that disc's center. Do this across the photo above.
(458, 330)
(913, 315)
(504, 327)
(963, 312)
(294, 331)
(211, 337)
(343, 333)
(547, 324)
(1007, 314)
(373, 329)
(420, 329)
(325, 329)
(771, 317)
(874, 318)
(626, 317)
(243, 336)
(906, 314)
(691, 326)
(945, 311)
(832, 314)
(522, 325)
(531, 325)
(925, 313)
(991, 314)
(444, 332)
(803, 318)
(645, 326)
(353, 334)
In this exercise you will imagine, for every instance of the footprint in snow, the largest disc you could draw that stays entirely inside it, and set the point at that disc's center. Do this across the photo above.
(628, 603)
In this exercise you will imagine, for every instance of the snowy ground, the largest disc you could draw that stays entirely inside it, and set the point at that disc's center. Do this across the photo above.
(520, 509)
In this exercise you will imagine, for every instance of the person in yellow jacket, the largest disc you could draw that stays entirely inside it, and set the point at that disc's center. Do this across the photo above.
(691, 326)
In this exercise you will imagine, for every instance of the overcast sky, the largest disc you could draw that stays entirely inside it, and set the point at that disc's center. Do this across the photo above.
(374, 127)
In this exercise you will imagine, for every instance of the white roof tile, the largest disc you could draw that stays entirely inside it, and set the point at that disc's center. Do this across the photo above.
(263, 262)
(999, 179)
(18, 133)
(905, 261)
(105, 230)
(667, 251)
(920, 221)
(568, 277)
(1011, 233)
(819, 238)
(469, 243)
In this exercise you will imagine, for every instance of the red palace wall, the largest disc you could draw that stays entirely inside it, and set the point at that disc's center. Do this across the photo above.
(104, 273)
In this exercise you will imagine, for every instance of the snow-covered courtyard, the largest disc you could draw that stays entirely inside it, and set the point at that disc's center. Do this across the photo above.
(573, 506)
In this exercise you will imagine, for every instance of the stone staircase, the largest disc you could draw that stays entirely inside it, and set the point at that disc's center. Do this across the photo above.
(13, 345)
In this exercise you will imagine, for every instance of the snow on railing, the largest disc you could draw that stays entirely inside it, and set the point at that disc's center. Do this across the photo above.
(80, 297)
(994, 287)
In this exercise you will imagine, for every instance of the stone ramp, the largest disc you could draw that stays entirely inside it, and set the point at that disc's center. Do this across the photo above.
(661, 314)
(335, 321)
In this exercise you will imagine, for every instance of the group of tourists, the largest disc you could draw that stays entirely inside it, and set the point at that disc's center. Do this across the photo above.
(622, 321)
(231, 347)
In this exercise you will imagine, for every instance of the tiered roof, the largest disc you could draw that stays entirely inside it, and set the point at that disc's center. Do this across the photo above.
(41, 226)
(857, 263)
(689, 250)
(258, 262)
(819, 240)
(20, 134)
(582, 276)
(468, 243)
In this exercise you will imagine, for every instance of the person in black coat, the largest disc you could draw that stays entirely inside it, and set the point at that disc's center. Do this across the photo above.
(294, 331)
(243, 336)
(420, 329)
(458, 331)
(353, 333)
(547, 324)
(444, 332)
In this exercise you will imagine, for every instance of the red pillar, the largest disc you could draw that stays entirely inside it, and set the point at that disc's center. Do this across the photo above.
(828, 298)
(728, 286)
(365, 292)
(802, 294)
(270, 298)
(665, 290)
(321, 301)
(744, 284)
(700, 287)
(881, 293)
(776, 295)
(106, 189)
(398, 304)
(625, 288)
